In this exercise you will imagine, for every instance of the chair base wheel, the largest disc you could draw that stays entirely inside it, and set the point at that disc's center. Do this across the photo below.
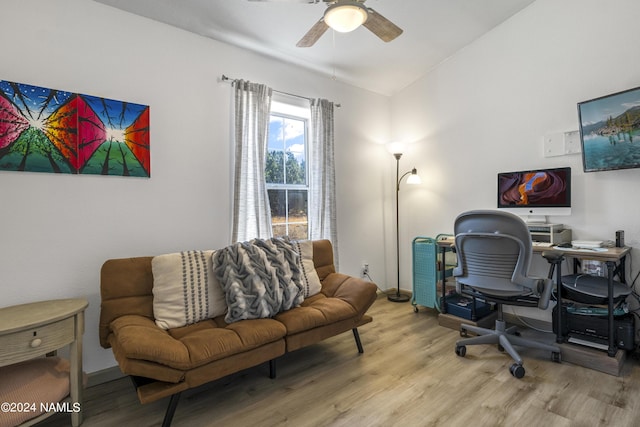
(517, 370)
(461, 350)
(556, 357)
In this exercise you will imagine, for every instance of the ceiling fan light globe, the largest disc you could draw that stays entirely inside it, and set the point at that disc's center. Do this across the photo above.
(345, 17)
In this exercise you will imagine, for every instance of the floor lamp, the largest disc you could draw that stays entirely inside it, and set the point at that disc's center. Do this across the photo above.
(413, 179)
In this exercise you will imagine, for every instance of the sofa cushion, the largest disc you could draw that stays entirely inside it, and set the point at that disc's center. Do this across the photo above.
(260, 278)
(310, 280)
(315, 312)
(194, 345)
(185, 290)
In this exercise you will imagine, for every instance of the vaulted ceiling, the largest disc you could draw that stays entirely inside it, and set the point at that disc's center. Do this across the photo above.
(433, 31)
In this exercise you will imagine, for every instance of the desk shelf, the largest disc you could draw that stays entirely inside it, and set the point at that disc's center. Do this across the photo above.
(615, 260)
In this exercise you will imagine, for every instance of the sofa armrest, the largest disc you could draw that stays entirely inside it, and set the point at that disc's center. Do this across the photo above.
(359, 293)
(138, 337)
(125, 288)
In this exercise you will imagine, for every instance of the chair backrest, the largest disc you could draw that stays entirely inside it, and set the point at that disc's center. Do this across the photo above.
(494, 254)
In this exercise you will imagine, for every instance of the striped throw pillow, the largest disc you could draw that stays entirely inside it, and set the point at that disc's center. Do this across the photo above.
(310, 279)
(185, 290)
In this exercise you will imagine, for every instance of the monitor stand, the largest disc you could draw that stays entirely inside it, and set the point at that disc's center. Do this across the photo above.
(535, 219)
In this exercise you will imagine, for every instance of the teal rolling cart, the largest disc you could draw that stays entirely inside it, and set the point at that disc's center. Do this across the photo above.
(426, 273)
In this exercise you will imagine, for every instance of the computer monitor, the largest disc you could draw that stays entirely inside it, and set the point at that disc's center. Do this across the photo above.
(535, 194)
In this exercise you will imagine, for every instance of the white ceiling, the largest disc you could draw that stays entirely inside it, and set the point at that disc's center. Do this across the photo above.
(433, 31)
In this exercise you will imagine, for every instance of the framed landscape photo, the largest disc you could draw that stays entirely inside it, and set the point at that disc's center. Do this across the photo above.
(610, 131)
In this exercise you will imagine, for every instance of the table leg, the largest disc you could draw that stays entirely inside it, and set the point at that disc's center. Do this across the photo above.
(443, 269)
(557, 266)
(612, 350)
(75, 380)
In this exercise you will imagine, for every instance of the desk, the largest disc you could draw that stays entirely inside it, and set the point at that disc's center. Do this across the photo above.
(32, 330)
(615, 260)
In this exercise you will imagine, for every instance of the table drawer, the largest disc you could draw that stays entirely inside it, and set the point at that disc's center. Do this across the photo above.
(33, 342)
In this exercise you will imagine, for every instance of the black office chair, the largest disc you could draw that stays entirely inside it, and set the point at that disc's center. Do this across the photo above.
(494, 253)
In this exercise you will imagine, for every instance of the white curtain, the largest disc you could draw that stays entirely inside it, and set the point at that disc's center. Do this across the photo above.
(322, 180)
(251, 213)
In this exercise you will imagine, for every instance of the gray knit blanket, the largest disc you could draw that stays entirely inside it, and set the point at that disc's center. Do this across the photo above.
(260, 278)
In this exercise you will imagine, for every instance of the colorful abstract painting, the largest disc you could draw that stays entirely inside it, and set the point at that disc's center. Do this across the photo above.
(48, 130)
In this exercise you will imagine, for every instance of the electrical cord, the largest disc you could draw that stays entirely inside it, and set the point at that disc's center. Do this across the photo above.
(530, 326)
(637, 297)
(371, 280)
(633, 282)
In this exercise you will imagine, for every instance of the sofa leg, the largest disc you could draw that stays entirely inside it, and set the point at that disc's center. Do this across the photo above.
(171, 409)
(173, 402)
(272, 368)
(356, 335)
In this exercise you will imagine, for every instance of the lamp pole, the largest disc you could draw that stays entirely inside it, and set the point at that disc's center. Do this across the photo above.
(399, 297)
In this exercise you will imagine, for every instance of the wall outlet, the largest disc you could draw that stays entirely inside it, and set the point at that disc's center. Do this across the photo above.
(365, 270)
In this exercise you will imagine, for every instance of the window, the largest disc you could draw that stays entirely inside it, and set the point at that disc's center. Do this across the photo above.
(286, 172)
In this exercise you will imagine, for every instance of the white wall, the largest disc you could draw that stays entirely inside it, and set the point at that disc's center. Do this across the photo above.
(487, 108)
(482, 111)
(57, 230)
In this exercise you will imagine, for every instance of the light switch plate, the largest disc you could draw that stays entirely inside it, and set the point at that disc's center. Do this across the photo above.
(572, 142)
(554, 144)
(562, 143)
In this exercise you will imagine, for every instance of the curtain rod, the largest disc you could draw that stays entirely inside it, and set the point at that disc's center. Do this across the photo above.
(232, 81)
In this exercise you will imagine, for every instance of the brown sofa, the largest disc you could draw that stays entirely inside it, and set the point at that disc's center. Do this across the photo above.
(166, 362)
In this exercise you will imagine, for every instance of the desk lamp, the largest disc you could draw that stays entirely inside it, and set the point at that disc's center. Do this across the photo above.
(396, 149)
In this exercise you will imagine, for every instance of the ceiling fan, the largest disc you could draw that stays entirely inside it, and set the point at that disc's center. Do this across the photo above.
(345, 16)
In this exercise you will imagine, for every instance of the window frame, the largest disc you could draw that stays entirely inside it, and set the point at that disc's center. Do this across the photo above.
(285, 108)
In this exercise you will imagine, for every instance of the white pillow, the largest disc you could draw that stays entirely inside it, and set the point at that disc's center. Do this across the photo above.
(310, 278)
(185, 290)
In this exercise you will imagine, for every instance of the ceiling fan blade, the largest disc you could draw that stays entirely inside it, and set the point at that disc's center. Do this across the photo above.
(288, 1)
(381, 26)
(312, 36)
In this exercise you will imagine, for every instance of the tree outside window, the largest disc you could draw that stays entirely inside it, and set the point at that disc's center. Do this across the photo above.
(286, 175)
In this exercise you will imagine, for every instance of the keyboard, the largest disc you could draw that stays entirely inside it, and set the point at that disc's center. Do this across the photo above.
(543, 244)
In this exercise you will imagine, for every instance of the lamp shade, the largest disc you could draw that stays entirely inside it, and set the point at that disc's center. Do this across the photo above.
(396, 147)
(345, 17)
(414, 178)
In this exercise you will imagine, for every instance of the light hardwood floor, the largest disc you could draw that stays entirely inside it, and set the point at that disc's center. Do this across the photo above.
(408, 375)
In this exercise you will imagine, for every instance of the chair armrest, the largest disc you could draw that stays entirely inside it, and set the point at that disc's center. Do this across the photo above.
(554, 257)
(545, 294)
